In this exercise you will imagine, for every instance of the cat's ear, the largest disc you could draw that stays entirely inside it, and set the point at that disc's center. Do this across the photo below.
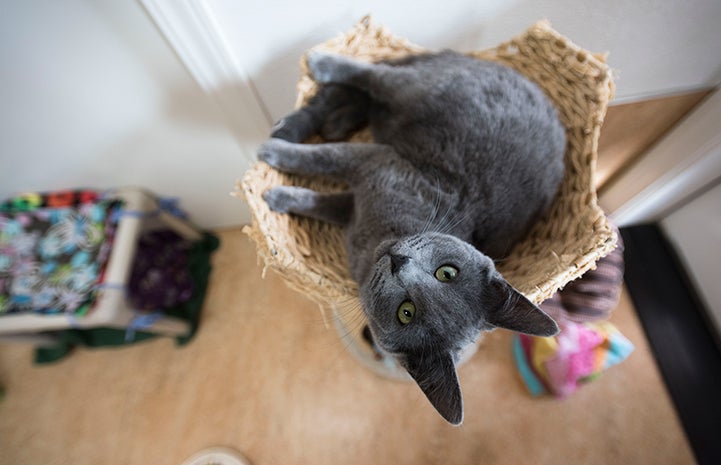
(436, 375)
(512, 310)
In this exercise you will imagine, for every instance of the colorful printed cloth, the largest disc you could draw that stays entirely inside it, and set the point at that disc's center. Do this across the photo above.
(561, 364)
(53, 250)
(198, 260)
(587, 344)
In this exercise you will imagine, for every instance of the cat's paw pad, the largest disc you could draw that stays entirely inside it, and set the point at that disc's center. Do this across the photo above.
(271, 152)
(323, 65)
(279, 199)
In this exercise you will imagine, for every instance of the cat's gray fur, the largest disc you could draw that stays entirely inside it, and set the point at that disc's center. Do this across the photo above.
(468, 155)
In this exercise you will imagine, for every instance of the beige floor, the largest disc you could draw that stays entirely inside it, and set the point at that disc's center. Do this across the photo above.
(265, 376)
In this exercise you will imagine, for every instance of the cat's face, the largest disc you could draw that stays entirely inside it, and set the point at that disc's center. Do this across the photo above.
(423, 288)
(429, 296)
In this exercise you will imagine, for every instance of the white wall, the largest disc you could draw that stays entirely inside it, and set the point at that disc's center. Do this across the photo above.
(93, 96)
(657, 46)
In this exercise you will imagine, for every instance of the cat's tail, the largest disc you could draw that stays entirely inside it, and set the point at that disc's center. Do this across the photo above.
(334, 113)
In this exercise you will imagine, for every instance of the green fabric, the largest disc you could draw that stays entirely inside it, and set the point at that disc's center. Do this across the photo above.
(199, 265)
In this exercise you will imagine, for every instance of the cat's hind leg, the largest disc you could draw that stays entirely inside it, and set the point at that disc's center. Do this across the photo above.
(328, 68)
(380, 81)
(334, 112)
(335, 208)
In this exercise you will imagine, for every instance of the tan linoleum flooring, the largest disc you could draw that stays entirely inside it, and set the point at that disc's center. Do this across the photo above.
(266, 377)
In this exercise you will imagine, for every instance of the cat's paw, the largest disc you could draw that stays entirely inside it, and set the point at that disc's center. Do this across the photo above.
(323, 66)
(282, 130)
(294, 127)
(280, 198)
(271, 152)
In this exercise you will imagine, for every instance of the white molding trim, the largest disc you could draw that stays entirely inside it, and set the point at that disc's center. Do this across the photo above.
(659, 94)
(681, 164)
(193, 33)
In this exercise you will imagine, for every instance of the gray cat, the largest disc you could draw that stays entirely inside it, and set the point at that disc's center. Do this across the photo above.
(468, 154)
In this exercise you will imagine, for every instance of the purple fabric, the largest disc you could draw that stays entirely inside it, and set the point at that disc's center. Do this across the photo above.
(160, 277)
(594, 295)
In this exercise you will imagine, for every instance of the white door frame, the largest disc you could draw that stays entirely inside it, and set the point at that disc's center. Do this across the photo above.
(193, 33)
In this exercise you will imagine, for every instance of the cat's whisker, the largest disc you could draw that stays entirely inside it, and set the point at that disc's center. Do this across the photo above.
(465, 217)
(350, 307)
(450, 222)
(350, 328)
(347, 319)
(440, 225)
(436, 205)
(354, 322)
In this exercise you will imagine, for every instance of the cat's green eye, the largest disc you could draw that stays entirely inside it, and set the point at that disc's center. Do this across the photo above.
(446, 273)
(406, 312)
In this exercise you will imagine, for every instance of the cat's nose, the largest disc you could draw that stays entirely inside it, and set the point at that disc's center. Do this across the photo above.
(397, 261)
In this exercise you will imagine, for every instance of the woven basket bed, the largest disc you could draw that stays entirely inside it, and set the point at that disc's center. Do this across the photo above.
(310, 255)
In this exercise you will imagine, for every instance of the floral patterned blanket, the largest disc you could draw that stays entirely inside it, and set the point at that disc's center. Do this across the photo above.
(53, 250)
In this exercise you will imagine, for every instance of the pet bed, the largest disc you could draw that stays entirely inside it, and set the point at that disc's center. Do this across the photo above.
(310, 255)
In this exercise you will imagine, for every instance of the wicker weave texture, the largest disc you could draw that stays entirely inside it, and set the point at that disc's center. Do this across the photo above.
(310, 255)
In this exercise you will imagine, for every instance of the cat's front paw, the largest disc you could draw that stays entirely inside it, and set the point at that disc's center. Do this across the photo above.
(272, 152)
(279, 199)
